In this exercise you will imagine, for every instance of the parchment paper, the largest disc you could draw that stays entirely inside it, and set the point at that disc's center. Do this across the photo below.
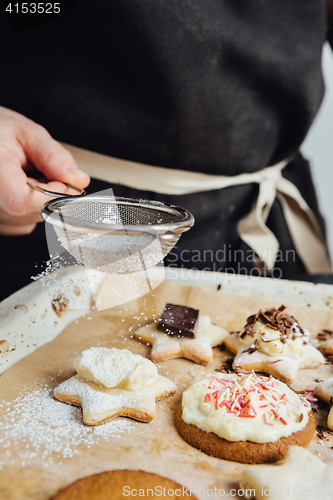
(154, 447)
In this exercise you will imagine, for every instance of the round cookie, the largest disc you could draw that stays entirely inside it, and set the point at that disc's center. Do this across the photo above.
(244, 418)
(244, 452)
(119, 484)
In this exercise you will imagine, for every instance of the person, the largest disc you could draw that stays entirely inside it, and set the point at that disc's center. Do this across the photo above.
(218, 88)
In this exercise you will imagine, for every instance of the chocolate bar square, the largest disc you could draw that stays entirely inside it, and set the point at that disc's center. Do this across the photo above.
(179, 320)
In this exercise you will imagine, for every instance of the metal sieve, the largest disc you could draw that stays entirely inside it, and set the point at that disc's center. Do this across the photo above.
(113, 234)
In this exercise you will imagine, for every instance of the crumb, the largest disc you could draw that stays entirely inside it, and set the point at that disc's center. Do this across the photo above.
(59, 304)
(4, 346)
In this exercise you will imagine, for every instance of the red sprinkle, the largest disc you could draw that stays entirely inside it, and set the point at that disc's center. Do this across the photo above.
(222, 381)
(310, 388)
(311, 398)
(238, 400)
(254, 411)
(265, 420)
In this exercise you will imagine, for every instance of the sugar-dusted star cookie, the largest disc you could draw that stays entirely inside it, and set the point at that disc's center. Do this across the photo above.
(300, 474)
(114, 382)
(273, 342)
(198, 348)
(324, 391)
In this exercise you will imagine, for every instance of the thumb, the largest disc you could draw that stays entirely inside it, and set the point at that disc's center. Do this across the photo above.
(51, 158)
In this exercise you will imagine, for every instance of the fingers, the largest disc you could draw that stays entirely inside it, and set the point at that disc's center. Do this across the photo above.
(20, 205)
(16, 230)
(21, 218)
(19, 215)
(14, 191)
(50, 157)
(26, 147)
(17, 199)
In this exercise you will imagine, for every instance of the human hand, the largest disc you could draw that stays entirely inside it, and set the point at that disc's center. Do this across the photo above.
(28, 152)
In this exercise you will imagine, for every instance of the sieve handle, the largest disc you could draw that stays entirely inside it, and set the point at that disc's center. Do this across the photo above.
(54, 193)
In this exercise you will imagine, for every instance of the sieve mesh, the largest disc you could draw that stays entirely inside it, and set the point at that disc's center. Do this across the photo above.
(116, 235)
(116, 213)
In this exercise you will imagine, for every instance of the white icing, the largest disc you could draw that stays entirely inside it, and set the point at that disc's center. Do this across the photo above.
(115, 368)
(200, 411)
(268, 341)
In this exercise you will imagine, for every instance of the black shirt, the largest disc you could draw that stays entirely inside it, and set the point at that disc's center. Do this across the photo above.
(219, 86)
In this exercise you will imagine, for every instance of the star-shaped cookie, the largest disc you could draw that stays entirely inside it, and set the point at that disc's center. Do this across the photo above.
(198, 349)
(324, 391)
(301, 474)
(273, 342)
(324, 342)
(100, 403)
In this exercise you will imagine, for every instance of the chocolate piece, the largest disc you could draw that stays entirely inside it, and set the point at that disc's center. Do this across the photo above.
(226, 367)
(320, 431)
(329, 358)
(324, 334)
(249, 331)
(253, 348)
(278, 320)
(179, 320)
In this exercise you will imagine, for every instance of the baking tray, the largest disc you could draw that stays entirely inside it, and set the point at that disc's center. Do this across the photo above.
(28, 319)
(39, 456)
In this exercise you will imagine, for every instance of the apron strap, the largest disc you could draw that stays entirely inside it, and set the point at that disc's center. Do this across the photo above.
(301, 221)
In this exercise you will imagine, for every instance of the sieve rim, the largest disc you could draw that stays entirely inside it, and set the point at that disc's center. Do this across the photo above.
(51, 216)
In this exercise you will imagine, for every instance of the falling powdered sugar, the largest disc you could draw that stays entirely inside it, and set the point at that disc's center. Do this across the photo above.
(35, 425)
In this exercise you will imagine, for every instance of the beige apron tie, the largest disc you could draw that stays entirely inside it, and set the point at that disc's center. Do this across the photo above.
(301, 221)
